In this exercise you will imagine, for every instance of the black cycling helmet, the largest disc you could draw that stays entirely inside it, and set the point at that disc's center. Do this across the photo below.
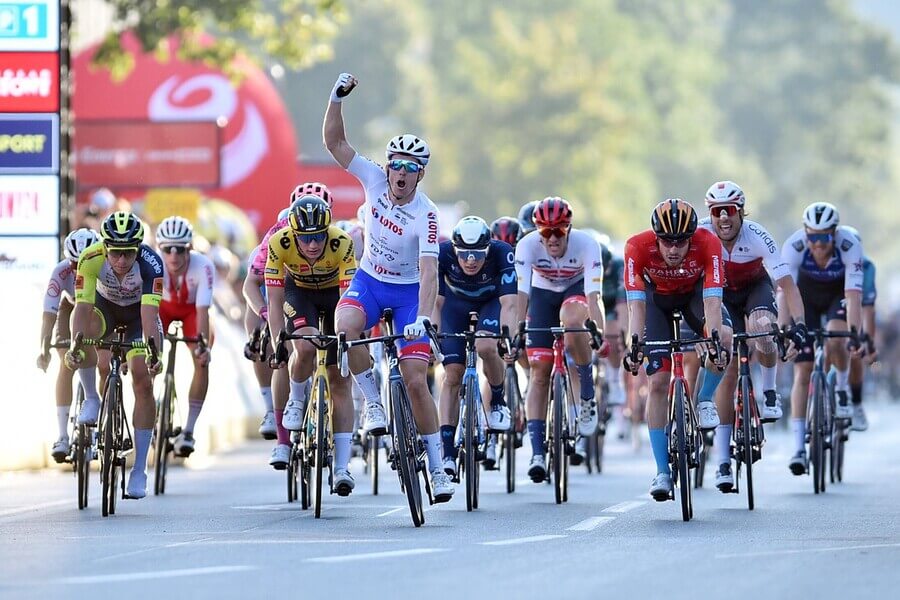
(526, 217)
(122, 230)
(309, 214)
(674, 219)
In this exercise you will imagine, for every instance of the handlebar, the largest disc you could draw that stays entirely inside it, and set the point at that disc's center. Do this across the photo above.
(115, 345)
(589, 327)
(344, 345)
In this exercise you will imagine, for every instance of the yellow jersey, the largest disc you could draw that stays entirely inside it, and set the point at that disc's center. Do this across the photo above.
(335, 268)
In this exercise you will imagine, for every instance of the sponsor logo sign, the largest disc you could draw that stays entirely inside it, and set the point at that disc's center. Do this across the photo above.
(29, 25)
(29, 204)
(29, 143)
(29, 82)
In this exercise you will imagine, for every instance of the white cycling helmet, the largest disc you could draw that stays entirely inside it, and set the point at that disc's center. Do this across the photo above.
(283, 214)
(174, 230)
(77, 241)
(410, 145)
(471, 233)
(724, 192)
(821, 215)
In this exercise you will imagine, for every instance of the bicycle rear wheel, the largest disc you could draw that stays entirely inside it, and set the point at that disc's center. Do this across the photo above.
(163, 428)
(746, 454)
(292, 474)
(404, 432)
(682, 449)
(558, 442)
(321, 444)
(513, 397)
(372, 444)
(303, 466)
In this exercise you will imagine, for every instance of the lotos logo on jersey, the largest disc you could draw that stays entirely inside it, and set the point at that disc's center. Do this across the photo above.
(158, 286)
(432, 228)
(385, 222)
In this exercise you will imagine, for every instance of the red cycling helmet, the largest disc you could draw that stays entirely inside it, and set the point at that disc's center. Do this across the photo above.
(506, 229)
(552, 212)
(314, 188)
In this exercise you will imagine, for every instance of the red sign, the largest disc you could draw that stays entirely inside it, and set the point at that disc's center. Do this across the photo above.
(346, 190)
(141, 154)
(29, 82)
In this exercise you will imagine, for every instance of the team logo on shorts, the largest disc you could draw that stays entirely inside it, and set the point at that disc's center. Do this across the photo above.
(299, 322)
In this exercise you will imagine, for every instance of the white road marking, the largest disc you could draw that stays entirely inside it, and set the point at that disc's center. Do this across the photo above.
(114, 577)
(148, 549)
(523, 540)
(390, 512)
(590, 523)
(295, 507)
(624, 507)
(375, 555)
(33, 507)
(809, 550)
(278, 542)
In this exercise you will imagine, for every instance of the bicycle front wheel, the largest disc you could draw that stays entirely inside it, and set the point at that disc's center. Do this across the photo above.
(558, 442)
(682, 460)
(81, 437)
(470, 444)
(163, 429)
(513, 397)
(747, 431)
(108, 455)
(404, 433)
(321, 444)
(817, 434)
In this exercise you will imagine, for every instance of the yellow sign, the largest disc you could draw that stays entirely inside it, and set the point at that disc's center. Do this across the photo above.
(166, 202)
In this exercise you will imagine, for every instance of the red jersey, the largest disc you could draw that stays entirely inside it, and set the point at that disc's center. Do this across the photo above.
(645, 265)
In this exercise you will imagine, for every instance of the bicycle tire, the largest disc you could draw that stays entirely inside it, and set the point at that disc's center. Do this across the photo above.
(470, 401)
(513, 398)
(681, 451)
(81, 437)
(321, 444)
(568, 437)
(403, 431)
(292, 475)
(747, 426)
(108, 453)
(304, 468)
(372, 444)
(557, 442)
(160, 460)
(816, 443)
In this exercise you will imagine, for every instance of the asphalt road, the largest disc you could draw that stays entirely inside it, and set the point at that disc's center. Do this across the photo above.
(224, 529)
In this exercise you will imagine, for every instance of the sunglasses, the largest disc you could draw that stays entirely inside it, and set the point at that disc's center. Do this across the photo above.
(410, 166)
(309, 238)
(117, 253)
(173, 249)
(681, 243)
(466, 255)
(820, 238)
(558, 232)
(729, 209)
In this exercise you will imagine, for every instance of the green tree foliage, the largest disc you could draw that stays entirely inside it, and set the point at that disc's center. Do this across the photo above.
(294, 32)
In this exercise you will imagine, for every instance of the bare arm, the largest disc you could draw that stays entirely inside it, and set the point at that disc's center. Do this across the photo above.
(637, 317)
(333, 133)
(428, 284)
(522, 309)
(253, 294)
(712, 311)
(596, 310)
(854, 309)
(275, 294)
(436, 313)
(509, 312)
(149, 324)
(791, 295)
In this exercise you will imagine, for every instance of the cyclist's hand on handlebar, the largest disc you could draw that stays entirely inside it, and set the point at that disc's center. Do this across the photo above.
(202, 356)
(73, 359)
(43, 361)
(251, 351)
(279, 357)
(633, 357)
(604, 348)
(416, 329)
(155, 367)
(854, 344)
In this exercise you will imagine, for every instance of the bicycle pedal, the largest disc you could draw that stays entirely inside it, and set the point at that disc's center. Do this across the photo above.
(766, 421)
(127, 445)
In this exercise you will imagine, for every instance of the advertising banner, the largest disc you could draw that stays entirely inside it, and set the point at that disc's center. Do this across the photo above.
(29, 143)
(29, 25)
(29, 82)
(29, 204)
(143, 154)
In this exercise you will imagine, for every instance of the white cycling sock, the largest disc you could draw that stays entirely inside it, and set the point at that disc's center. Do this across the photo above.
(769, 374)
(842, 382)
(266, 393)
(722, 443)
(194, 408)
(62, 418)
(432, 443)
(298, 391)
(342, 450)
(88, 376)
(368, 387)
(798, 426)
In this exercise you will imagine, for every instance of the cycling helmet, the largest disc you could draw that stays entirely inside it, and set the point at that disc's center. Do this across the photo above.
(410, 145)
(314, 188)
(526, 217)
(506, 229)
(122, 230)
(283, 213)
(77, 241)
(103, 199)
(552, 211)
(471, 233)
(724, 192)
(309, 214)
(174, 230)
(674, 219)
(821, 215)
